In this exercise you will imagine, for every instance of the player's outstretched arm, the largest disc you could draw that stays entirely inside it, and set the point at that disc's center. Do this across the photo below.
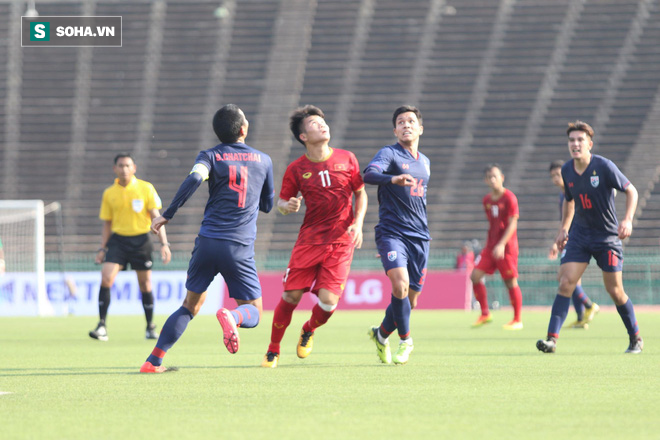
(290, 206)
(626, 226)
(187, 189)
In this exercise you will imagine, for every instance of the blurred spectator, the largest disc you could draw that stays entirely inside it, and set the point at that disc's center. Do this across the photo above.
(465, 259)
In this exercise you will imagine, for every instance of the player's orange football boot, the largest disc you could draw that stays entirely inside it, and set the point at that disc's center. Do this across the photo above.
(483, 319)
(305, 344)
(148, 367)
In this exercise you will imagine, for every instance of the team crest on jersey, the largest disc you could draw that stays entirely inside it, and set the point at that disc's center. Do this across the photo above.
(138, 205)
(594, 181)
(391, 255)
(307, 175)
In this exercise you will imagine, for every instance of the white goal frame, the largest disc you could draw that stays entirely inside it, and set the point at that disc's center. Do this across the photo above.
(44, 307)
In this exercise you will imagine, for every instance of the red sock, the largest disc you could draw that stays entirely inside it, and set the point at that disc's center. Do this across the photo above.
(319, 317)
(515, 296)
(281, 320)
(482, 296)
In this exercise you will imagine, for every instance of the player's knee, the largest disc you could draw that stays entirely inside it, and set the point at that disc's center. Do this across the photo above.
(327, 307)
(566, 286)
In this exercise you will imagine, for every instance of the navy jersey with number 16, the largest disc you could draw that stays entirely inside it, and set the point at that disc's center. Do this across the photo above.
(593, 192)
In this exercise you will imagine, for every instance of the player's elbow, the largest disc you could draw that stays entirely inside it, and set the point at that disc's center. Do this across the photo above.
(266, 205)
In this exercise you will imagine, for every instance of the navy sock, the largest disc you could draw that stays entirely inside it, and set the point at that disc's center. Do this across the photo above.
(148, 306)
(388, 325)
(401, 311)
(104, 303)
(558, 315)
(627, 313)
(172, 330)
(246, 316)
(577, 303)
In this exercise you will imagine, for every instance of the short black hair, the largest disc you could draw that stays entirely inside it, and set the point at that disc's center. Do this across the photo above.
(298, 116)
(555, 164)
(492, 165)
(227, 123)
(406, 109)
(123, 154)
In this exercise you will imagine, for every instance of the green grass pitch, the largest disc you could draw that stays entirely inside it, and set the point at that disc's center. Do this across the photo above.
(460, 382)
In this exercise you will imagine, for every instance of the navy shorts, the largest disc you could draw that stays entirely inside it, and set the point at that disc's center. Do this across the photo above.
(135, 250)
(234, 261)
(607, 251)
(410, 253)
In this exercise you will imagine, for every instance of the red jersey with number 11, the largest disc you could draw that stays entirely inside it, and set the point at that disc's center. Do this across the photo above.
(327, 188)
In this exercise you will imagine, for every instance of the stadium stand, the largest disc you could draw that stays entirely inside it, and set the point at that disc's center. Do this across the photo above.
(496, 82)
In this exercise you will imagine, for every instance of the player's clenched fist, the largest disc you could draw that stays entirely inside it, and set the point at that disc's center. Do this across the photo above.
(289, 206)
(403, 180)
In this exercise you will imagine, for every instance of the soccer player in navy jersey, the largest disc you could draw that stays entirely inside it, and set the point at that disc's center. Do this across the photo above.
(584, 307)
(501, 250)
(402, 173)
(240, 185)
(589, 212)
(327, 178)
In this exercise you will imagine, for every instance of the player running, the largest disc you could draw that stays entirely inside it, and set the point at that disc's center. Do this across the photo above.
(321, 259)
(501, 250)
(584, 307)
(402, 173)
(240, 185)
(589, 212)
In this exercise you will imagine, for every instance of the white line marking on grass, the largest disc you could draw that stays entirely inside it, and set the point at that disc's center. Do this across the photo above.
(5, 392)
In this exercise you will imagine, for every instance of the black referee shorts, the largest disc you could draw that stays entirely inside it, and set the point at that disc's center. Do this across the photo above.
(135, 251)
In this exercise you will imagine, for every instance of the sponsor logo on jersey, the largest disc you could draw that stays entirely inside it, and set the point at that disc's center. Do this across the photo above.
(307, 175)
(594, 181)
(138, 205)
(405, 166)
(570, 184)
(391, 255)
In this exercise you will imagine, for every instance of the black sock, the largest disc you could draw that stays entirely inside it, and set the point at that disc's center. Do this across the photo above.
(148, 305)
(104, 303)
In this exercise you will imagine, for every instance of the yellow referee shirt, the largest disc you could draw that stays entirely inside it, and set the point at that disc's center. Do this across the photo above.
(128, 207)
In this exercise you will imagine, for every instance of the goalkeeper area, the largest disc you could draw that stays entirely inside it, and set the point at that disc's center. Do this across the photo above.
(459, 383)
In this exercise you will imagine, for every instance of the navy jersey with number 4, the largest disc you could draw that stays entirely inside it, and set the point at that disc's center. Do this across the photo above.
(593, 192)
(402, 209)
(240, 181)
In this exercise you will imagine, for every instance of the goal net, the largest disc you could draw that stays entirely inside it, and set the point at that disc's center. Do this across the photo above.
(22, 236)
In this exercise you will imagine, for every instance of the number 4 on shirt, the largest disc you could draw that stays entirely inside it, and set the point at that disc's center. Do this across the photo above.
(241, 188)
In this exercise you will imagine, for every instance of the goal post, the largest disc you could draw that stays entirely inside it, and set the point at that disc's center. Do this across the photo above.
(22, 233)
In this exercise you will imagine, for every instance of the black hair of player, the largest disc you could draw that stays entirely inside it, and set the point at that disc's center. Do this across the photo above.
(406, 109)
(122, 155)
(299, 115)
(227, 123)
(555, 164)
(492, 165)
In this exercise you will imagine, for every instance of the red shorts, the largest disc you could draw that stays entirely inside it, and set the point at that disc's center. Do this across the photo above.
(319, 266)
(508, 266)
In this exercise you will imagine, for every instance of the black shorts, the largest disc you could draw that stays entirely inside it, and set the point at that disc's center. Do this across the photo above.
(135, 251)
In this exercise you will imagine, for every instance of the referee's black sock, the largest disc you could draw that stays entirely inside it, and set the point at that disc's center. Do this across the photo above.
(148, 305)
(104, 303)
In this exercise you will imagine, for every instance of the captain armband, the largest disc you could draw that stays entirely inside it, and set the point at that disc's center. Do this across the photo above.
(201, 170)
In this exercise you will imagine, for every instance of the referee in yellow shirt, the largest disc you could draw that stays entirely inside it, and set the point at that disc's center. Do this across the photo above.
(127, 209)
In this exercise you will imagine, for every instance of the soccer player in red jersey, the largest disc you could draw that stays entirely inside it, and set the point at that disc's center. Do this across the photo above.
(327, 178)
(501, 250)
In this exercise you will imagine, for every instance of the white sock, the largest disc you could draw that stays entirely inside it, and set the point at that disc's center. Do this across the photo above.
(380, 338)
(408, 341)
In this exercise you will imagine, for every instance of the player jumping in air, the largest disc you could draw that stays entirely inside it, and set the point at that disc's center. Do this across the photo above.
(584, 307)
(589, 212)
(501, 250)
(402, 173)
(321, 259)
(240, 185)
